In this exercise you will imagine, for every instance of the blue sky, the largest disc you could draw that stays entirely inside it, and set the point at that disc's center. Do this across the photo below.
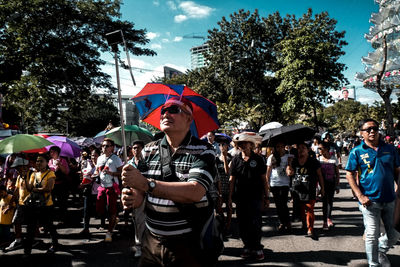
(167, 22)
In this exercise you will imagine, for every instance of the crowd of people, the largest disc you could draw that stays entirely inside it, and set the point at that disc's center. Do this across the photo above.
(170, 188)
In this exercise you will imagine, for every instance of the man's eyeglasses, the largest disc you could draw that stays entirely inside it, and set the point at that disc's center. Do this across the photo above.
(174, 109)
(369, 129)
(106, 145)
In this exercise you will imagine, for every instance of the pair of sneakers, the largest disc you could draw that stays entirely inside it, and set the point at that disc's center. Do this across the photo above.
(257, 254)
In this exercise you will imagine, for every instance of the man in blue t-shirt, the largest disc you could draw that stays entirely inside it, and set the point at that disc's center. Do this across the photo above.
(378, 167)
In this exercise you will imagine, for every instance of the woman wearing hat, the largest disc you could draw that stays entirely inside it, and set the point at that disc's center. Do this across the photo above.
(250, 191)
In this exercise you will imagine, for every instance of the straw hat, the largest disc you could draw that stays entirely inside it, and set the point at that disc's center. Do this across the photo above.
(247, 137)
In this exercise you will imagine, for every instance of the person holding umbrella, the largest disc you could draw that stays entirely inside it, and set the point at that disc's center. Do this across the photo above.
(180, 172)
(306, 172)
(279, 184)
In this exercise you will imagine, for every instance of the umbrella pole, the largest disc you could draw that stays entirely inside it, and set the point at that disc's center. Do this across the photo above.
(121, 112)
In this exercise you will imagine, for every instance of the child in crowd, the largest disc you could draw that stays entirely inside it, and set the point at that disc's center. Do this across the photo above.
(6, 214)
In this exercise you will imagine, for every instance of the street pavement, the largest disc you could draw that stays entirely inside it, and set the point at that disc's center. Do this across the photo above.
(341, 246)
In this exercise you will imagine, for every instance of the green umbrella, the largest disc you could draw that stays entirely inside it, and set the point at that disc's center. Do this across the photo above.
(132, 133)
(22, 142)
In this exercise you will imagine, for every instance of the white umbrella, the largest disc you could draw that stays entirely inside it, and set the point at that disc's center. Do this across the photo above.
(270, 125)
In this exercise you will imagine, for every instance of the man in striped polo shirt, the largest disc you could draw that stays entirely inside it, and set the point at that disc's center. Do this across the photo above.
(169, 238)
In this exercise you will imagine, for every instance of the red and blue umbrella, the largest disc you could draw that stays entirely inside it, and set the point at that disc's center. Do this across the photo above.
(153, 96)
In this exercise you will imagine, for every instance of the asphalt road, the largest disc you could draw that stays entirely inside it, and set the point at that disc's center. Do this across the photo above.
(341, 246)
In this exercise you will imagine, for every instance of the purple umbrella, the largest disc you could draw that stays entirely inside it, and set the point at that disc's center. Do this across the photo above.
(69, 148)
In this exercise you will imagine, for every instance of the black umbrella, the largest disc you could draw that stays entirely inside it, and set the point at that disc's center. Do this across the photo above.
(290, 134)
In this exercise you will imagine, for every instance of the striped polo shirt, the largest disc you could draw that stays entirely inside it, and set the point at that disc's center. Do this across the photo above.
(194, 160)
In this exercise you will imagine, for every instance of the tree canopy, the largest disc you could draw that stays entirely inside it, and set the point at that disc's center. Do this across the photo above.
(270, 68)
(50, 55)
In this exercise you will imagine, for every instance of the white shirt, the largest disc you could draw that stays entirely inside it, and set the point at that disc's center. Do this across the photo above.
(278, 175)
(111, 163)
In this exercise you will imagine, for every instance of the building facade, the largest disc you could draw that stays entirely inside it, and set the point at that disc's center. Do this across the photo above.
(197, 56)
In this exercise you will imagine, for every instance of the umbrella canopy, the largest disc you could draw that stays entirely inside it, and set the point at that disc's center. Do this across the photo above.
(83, 141)
(20, 142)
(289, 134)
(99, 137)
(151, 98)
(270, 125)
(132, 133)
(69, 148)
(221, 137)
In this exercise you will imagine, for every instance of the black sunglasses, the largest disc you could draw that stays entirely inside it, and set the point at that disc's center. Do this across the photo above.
(174, 109)
(369, 129)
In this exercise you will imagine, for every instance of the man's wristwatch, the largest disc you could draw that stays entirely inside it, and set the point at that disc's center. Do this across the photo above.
(152, 184)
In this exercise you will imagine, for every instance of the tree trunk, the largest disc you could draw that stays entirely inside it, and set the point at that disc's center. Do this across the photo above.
(385, 94)
(389, 115)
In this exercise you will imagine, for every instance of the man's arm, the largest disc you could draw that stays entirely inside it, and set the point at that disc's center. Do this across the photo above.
(266, 190)
(182, 192)
(351, 179)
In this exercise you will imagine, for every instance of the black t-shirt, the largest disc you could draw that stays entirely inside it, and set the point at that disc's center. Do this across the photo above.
(305, 178)
(248, 177)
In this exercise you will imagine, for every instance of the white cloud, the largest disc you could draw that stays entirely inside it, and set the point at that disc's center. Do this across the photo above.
(156, 46)
(193, 10)
(165, 40)
(171, 5)
(156, 3)
(152, 35)
(178, 38)
(180, 18)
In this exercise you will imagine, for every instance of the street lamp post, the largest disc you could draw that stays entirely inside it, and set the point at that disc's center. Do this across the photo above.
(114, 38)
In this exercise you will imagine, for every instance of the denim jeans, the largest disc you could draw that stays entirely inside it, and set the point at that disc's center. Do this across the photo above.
(374, 242)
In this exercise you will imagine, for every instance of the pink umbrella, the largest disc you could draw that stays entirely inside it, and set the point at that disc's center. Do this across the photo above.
(69, 148)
